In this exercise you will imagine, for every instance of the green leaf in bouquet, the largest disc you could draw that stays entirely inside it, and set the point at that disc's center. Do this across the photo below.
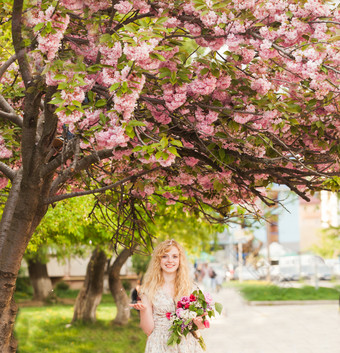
(172, 340)
(201, 296)
(211, 313)
(187, 322)
(218, 307)
(200, 312)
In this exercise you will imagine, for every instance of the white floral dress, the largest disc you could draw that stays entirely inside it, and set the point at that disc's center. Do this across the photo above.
(157, 341)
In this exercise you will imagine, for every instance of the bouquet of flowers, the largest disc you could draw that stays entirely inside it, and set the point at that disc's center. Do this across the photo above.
(188, 308)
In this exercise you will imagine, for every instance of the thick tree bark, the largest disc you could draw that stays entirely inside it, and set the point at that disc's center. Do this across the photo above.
(22, 214)
(91, 293)
(41, 282)
(117, 290)
(15, 236)
(8, 312)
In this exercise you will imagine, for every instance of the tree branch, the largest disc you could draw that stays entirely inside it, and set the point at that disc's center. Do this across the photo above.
(10, 206)
(289, 55)
(9, 113)
(25, 69)
(83, 164)
(11, 117)
(7, 171)
(8, 63)
(99, 190)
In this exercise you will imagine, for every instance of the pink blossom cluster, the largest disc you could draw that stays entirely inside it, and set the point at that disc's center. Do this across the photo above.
(112, 137)
(174, 96)
(261, 85)
(202, 86)
(205, 181)
(205, 120)
(243, 5)
(210, 19)
(123, 7)
(160, 114)
(74, 94)
(184, 179)
(110, 55)
(3, 183)
(223, 82)
(69, 118)
(172, 22)
(191, 161)
(92, 118)
(5, 153)
(48, 43)
(92, 5)
(243, 118)
(194, 29)
(163, 162)
(142, 6)
(126, 103)
(141, 51)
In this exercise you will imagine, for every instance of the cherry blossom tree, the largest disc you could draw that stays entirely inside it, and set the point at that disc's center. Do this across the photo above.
(201, 102)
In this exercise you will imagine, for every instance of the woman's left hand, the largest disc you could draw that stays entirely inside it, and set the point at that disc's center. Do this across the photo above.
(201, 322)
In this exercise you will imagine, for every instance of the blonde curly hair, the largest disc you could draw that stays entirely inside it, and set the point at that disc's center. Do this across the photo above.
(153, 278)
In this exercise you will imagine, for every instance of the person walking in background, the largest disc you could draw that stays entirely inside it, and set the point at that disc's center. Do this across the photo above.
(212, 276)
(165, 282)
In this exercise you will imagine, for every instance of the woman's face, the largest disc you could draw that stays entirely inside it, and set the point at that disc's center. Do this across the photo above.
(170, 260)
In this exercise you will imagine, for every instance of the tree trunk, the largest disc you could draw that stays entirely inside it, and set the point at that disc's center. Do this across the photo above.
(22, 214)
(117, 290)
(41, 282)
(8, 312)
(91, 293)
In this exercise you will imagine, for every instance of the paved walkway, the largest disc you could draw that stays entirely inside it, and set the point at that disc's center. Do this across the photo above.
(273, 329)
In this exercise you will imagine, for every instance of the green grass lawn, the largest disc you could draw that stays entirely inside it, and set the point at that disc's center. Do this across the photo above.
(265, 291)
(44, 329)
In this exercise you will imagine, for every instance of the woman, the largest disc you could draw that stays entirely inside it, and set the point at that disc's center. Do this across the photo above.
(166, 281)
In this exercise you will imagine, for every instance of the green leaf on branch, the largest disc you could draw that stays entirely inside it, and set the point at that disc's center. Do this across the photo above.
(136, 123)
(137, 149)
(56, 101)
(293, 108)
(114, 86)
(100, 103)
(164, 142)
(177, 143)
(204, 71)
(105, 38)
(165, 156)
(39, 26)
(333, 184)
(129, 131)
(218, 307)
(173, 150)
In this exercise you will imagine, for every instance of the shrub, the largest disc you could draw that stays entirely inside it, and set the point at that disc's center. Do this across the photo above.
(23, 285)
(62, 286)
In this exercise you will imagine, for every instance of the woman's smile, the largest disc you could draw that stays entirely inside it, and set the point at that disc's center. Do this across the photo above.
(170, 260)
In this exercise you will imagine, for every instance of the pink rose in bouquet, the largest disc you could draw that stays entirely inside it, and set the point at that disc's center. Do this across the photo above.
(198, 304)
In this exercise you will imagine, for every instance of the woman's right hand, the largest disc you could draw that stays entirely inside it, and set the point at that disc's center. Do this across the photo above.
(138, 306)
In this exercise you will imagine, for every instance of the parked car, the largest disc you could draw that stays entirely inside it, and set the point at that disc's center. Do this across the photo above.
(274, 271)
(293, 268)
(246, 273)
(334, 265)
